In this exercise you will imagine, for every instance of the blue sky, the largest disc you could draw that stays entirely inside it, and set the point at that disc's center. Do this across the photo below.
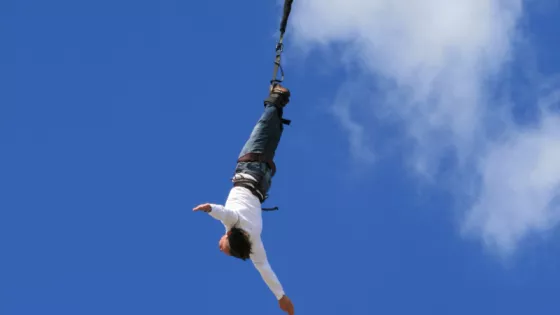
(117, 118)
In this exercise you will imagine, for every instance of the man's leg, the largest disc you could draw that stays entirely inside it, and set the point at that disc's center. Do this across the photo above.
(266, 134)
(265, 137)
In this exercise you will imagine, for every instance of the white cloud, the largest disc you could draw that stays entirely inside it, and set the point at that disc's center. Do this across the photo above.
(356, 131)
(436, 60)
(520, 184)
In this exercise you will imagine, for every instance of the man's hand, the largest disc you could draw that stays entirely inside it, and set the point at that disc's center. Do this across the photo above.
(206, 207)
(286, 305)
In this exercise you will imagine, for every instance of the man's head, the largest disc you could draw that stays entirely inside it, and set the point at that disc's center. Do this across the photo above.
(236, 243)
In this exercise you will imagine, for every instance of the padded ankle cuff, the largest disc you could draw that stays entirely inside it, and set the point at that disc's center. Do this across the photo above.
(280, 100)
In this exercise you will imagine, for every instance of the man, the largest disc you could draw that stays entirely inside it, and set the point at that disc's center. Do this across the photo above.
(242, 212)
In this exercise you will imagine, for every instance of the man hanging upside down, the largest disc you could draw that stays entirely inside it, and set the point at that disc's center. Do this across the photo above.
(241, 214)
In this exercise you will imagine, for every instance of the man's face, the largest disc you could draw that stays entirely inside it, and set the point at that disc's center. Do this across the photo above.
(224, 245)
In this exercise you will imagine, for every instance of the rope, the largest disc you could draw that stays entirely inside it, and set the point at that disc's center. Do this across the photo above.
(280, 44)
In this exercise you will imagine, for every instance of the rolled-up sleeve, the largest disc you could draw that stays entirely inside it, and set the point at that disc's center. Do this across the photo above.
(261, 263)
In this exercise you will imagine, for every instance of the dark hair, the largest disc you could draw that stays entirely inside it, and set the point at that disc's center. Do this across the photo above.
(239, 244)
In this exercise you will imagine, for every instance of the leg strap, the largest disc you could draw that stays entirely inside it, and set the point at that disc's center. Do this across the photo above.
(279, 100)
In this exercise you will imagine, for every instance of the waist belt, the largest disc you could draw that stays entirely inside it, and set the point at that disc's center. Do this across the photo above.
(252, 186)
(257, 157)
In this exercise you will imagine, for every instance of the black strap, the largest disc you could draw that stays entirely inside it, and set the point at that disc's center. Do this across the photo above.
(252, 186)
(270, 209)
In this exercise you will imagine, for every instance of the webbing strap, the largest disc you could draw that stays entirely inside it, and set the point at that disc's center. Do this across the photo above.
(270, 209)
(251, 186)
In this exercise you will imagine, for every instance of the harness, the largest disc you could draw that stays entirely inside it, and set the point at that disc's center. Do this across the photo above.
(252, 186)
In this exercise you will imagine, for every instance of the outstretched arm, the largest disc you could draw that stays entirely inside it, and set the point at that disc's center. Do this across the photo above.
(261, 263)
(219, 212)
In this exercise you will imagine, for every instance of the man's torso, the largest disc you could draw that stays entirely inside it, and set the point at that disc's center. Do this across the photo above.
(248, 207)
